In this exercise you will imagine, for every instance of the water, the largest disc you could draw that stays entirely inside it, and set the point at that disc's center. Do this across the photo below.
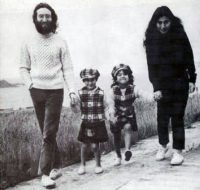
(17, 97)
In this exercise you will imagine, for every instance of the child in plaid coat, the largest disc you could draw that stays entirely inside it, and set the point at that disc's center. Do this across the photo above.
(123, 95)
(93, 129)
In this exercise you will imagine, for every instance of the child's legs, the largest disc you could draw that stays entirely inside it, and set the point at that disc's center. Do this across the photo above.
(135, 137)
(127, 135)
(83, 150)
(132, 120)
(116, 131)
(117, 143)
(97, 155)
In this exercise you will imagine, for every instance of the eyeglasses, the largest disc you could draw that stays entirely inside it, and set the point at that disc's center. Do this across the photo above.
(89, 80)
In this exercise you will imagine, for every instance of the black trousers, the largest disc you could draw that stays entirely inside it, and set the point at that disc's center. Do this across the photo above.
(172, 105)
(48, 105)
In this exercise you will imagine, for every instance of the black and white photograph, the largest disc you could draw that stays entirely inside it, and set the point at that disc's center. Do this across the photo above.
(99, 94)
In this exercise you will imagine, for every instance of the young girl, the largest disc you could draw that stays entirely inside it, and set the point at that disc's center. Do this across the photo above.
(93, 129)
(123, 95)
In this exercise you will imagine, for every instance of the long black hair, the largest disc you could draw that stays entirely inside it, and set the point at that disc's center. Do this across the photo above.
(152, 33)
(53, 14)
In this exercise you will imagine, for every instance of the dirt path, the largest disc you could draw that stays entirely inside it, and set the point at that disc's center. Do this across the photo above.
(142, 172)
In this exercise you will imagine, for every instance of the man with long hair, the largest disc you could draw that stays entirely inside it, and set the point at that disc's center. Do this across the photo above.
(45, 68)
(172, 74)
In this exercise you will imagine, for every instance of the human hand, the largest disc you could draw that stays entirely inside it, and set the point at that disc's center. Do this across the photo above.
(113, 119)
(73, 98)
(157, 95)
(191, 87)
(31, 86)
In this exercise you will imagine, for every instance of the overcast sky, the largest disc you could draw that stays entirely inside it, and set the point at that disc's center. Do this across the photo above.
(100, 33)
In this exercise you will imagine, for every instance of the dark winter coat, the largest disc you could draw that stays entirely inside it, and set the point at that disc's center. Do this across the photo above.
(170, 61)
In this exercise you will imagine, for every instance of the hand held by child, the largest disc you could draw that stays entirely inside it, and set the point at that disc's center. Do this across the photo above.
(191, 87)
(73, 98)
(74, 103)
(157, 95)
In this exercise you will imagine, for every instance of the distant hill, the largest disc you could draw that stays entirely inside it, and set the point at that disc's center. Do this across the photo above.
(5, 84)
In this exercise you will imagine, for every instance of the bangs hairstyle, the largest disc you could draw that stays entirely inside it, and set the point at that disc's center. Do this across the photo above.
(152, 32)
(53, 15)
(126, 72)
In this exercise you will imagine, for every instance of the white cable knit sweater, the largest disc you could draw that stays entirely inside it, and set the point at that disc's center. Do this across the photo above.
(46, 64)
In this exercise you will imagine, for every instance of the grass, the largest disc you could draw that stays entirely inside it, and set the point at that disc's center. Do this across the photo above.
(20, 138)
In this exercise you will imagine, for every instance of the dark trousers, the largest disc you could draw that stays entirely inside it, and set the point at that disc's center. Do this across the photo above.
(48, 105)
(172, 105)
(117, 143)
(116, 130)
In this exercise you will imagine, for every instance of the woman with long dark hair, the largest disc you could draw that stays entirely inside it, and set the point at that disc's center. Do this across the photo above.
(172, 74)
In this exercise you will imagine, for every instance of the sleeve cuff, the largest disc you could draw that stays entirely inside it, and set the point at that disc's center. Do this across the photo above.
(30, 85)
(193, 79)
(156, 86)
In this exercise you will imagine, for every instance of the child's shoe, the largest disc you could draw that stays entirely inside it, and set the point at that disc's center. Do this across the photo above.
(160, 155)
(128, 155)
(177, 158)
(81, 170)
(98, 170)
(118, 162)
(55, 173)
(47, 182)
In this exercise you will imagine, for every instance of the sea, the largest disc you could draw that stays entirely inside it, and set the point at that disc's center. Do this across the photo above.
(18, 97)
(15, 98)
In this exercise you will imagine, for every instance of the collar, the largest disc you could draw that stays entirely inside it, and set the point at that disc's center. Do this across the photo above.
(46, 36)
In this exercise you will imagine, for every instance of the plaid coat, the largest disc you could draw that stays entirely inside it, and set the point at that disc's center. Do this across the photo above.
(92, 105)
(124, 103)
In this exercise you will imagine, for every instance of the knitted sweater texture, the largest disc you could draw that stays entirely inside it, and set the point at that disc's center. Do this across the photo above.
(46, 64)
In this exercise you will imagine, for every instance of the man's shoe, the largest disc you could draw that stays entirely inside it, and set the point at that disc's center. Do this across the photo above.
(118, 162)
(98, 170)
(81, 170)
(177, 158)
(47, 182)
(55, 174)
(160, 155)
